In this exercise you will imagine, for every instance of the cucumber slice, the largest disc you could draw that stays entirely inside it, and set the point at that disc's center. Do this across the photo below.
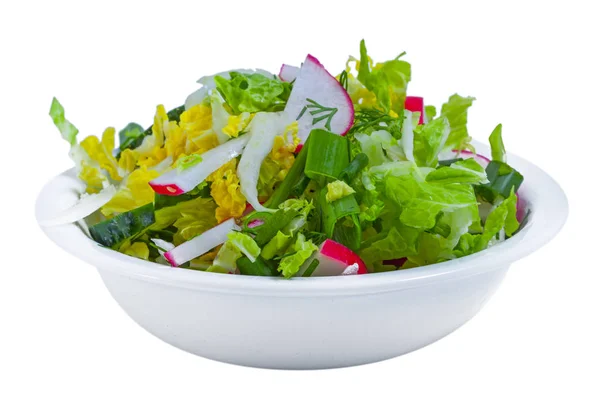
(113, 232)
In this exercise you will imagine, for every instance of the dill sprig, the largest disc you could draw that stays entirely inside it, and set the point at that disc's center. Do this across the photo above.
(319, 113)
(372, 118)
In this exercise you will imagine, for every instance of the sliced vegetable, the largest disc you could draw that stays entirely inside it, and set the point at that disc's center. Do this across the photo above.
(201, 244)
(333, 259)
(340, 219)
(259, 267)
(175, 182)
(293, 177)
(86, 205)
(288, 73)
(262, 130)
(416, 104)
(113, 232)
(303, 249)
(319, 101)
(328, 155)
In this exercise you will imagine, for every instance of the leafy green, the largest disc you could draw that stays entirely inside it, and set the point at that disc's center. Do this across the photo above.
(253, 92)
(387, 80)
(421, 202)
(259, 267)
(400, 241)
(277, 245)
(463, 171)
(245, 244)
(455, 110)
(497, 145)
(303, 249)
(502, 180)
(227, 256)
(67, 129)
(128, 135)
(430, 112)
(429, 140)
(113, 232)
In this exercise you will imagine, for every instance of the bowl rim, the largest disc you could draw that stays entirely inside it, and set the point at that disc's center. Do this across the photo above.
(546, 200)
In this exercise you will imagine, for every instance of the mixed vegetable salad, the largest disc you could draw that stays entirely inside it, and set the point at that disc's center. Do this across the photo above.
(297, 174)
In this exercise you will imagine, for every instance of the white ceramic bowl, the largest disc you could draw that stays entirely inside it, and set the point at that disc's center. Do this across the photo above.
(308, 323)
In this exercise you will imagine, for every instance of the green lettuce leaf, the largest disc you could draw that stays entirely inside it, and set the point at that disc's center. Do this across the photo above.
(253, 92)
(463, 171)
(387, 80)
(67, 130)
(400, 241)
(245, 244)
(421, 202)
(455, 110)
(277, 245)
(429, 140)
(303, 249)
(227, 257)
(497, 145)
(430, 112)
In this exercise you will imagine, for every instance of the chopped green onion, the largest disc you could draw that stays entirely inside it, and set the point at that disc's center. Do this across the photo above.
(127, 225)
(447, 163)
(503, 179)
(360, 162)
(260, 267)
(311, 268)
(292, 178)
(328, 155)
(335, 225)
(276, 222)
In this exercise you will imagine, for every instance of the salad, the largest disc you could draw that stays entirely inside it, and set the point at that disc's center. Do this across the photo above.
(298, 174)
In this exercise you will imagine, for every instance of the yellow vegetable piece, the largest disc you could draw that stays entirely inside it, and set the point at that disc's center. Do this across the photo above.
(102, 152)
(137, 249)
(337, 190)
(237, 123)
(226, 192)
(134, 194)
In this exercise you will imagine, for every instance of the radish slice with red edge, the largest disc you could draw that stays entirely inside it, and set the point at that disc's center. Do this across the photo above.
(86, 205)
(334, 258)
(175, 182)
(319, 101)
(416, 104)
(201, 244)
(288, 73)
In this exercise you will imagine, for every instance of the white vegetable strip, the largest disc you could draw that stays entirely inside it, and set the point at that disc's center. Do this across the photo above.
(175, 182)
(288, 73)
(407, 139)
(201, 244)
(86, 205)
(263, 129)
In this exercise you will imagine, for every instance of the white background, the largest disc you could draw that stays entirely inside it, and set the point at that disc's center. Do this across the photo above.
(532, 66)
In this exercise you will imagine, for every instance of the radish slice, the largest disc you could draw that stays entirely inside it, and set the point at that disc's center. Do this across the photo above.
(334, 259)
(201, 244)
(163, 244)
(288, 73)
(319, 101)
(262, 130)
(86, 205)
(175, 182)
(416, 104)
(521, 208)
(481, 160)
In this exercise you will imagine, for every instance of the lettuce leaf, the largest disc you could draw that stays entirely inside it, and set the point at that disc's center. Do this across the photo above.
(388, 80)
(253, 92)
(290, 265)
(67, 129)
(463, 171)
(245, 244)
(400, 241)
(429, 140)
(455, 110)
(497, 145)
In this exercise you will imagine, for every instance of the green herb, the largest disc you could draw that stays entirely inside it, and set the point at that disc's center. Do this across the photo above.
(319, 113)
(260, 267)
(292, 178)
(344, 79)
(357, 164)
